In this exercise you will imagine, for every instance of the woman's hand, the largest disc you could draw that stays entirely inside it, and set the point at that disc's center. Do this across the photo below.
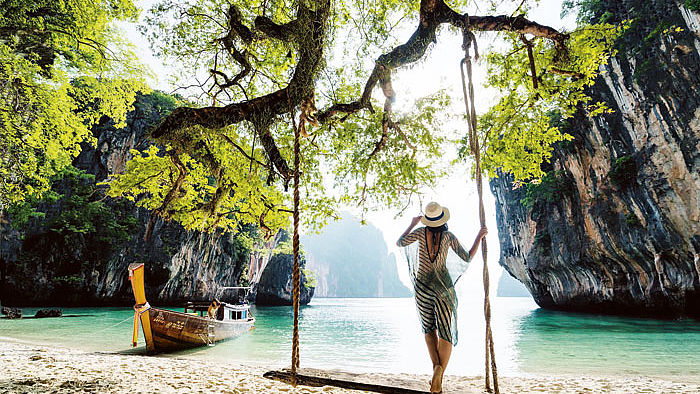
(477, 241)
(415, 220)
(482, 233)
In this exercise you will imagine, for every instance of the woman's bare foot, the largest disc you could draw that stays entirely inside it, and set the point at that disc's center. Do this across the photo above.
(436, 383)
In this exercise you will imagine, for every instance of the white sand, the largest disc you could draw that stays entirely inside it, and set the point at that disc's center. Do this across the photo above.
(26, 368)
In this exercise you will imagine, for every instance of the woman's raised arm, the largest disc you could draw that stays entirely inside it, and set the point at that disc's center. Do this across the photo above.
(482, 233)
(407, 237)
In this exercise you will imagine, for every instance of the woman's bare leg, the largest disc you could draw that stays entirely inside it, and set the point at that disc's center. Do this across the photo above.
(431, 340)
(444, 349)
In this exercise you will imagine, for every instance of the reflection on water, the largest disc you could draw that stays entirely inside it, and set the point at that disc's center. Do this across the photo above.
(384, 335)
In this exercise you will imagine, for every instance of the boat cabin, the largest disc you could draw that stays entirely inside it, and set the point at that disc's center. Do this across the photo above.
(235, 312)
(226, 312)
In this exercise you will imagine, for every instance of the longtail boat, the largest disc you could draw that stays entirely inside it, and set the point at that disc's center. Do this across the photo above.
(200, 324)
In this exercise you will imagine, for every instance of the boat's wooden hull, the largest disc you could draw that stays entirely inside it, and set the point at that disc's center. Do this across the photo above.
(166, 330)
(175, 330)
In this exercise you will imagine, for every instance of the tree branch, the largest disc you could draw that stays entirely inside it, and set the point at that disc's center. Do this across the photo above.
(567, 73)
(531, 58)
(284, 32)
(433, 13)
(243, 152)
(182, 173)
(267, 141)
(268, 106)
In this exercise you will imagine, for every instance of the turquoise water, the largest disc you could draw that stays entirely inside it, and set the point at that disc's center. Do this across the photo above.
(384, 335)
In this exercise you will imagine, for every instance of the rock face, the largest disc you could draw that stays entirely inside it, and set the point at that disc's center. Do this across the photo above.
(41, 313)
(627, 187)
(350, 259)
(276, 285)
(180, 264)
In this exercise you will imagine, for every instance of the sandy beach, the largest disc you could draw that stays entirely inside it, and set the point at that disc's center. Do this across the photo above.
(28, 368)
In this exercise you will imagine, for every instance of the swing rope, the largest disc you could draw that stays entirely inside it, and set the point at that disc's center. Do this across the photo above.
(467, 39)
(296, 277)
(306, 115)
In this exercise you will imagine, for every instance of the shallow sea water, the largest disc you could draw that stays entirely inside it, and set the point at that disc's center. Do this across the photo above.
(383, 335)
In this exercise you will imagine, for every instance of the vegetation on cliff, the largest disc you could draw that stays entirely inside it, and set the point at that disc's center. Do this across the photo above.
(62, 66)
(69, 234)
(615, 218)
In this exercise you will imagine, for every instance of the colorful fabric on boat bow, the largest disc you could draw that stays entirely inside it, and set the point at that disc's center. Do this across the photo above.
(139, 309)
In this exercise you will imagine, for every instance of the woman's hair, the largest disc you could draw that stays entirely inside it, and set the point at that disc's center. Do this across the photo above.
(438, 229)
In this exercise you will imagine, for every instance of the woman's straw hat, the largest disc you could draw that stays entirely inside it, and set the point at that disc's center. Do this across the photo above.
(435, 215)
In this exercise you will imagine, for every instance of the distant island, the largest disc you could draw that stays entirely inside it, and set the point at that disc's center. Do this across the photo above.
(511, 287)
(352, 260)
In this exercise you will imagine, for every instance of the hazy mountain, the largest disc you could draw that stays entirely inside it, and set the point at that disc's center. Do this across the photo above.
(352, 260)
(511, 287)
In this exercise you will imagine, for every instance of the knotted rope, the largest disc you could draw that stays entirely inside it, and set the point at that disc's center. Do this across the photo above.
(467, 39)
(296, 276)
(307, 115)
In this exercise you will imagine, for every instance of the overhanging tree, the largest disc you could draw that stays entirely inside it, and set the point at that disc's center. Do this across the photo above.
(256, 66)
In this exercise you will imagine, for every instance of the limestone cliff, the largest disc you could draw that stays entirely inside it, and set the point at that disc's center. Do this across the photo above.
(350, 259)
(626, 188)
(42, 266)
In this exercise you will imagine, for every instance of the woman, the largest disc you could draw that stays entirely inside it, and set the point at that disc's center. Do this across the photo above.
(434, 276)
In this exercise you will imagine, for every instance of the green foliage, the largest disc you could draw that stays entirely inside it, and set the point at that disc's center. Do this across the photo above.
(310, 279)
(586, 10)
(632, 220)
(62, 66)
(224, 188)
(552, 187)
(82, 211)
(518, 132)
(71, 229)
(149, 175)
(67, 34)
(228, 180)
(189, 33)
(284, 247)
(692, 5)
(158, 104)
(660, 28)
(623, 171)
(409, 159)
(243, 194)
(67, 281)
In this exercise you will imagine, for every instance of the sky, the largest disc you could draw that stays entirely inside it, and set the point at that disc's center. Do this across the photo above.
(440, 69)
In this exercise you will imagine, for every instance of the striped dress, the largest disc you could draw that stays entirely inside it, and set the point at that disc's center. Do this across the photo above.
(434, 280)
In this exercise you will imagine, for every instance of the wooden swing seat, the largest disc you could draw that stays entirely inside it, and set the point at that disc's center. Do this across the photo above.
(347, 380)
(388, 383)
